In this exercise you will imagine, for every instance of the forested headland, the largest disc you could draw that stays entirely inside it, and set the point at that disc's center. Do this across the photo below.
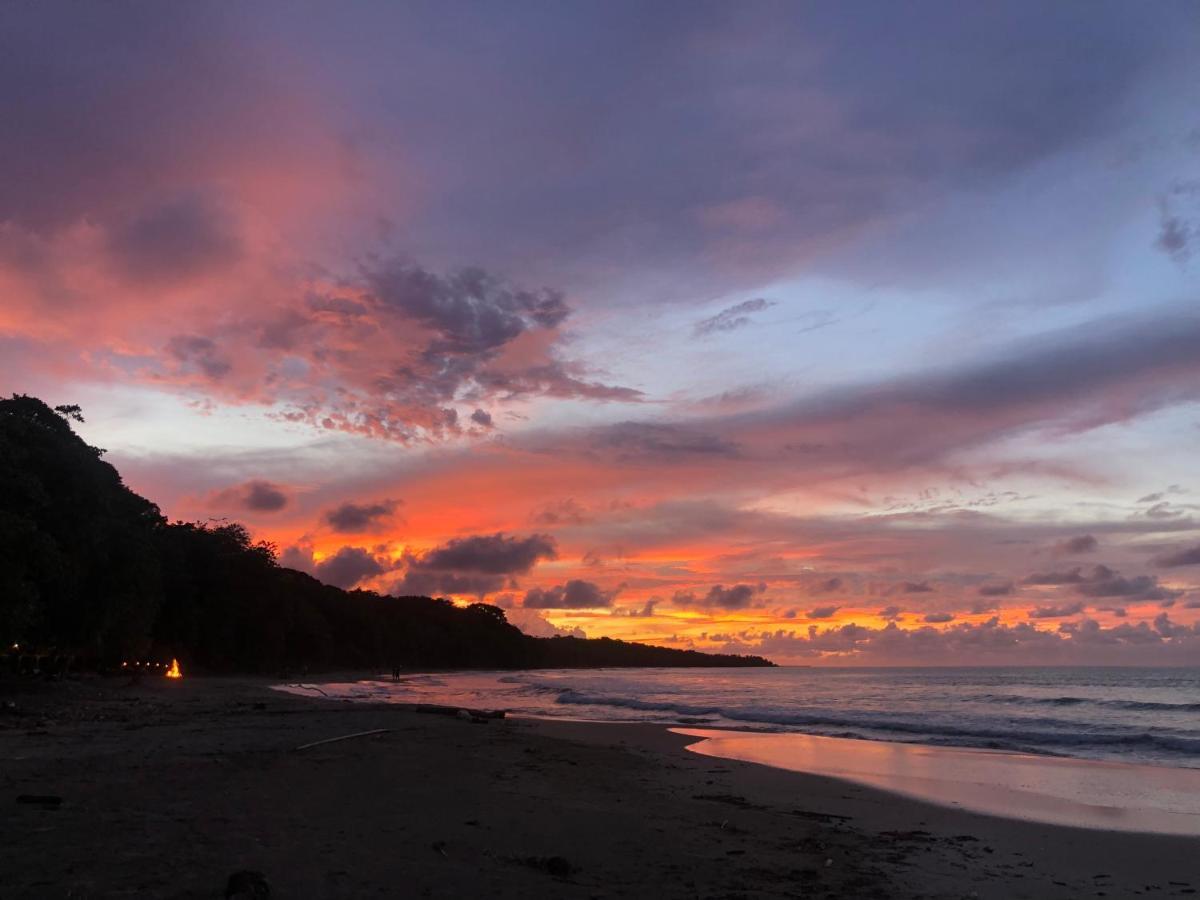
(92, 572)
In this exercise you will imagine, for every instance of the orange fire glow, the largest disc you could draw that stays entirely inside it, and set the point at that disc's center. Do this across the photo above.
(174, 672)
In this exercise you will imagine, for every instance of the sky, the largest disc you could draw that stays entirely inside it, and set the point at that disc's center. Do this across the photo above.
(844, 334)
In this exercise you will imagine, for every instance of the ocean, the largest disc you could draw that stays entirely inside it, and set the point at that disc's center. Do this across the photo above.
(1136, 715)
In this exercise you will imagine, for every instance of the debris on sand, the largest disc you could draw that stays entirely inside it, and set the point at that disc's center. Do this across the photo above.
(344, 737)
(247, 885)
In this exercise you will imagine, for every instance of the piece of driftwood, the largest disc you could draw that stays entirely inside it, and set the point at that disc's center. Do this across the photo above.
(437, 710)
(344, 737)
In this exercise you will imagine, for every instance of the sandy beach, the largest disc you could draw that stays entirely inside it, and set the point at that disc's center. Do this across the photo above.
(166, 789)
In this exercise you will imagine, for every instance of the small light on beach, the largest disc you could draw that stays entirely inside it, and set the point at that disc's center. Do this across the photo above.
(174, 672)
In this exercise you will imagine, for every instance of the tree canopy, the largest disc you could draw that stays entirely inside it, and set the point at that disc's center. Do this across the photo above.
(92, 569)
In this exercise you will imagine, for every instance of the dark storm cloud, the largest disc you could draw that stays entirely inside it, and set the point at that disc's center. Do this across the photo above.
(575, 594)
(494, 554)
(482, 418)
(479, 565)
(738, 596)
(348, 567)
(254, 496)
(470, 311)
(1188, 556)
(350, 518)
(732, 318)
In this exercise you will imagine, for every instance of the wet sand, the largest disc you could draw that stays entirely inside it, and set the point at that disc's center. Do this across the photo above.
(1055, 790)
(168, 788)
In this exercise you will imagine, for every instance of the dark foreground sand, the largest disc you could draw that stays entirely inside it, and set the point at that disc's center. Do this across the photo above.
(168, 788)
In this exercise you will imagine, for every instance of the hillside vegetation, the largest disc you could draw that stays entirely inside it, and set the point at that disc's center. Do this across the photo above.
(92, 570)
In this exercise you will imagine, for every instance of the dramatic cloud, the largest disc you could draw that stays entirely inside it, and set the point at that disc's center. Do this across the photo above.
(821, 612)
(495, 554)
(477, 565)
(939, 617)
(350, 518)
(575, 594)
(1105, 582)
(348, 567)
(252, 496)
(738, 596)
(255, 244)
(732, 318)
(1101, 581)
(469, 311)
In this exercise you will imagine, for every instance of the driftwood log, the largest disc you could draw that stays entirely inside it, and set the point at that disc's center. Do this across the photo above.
(344, 737)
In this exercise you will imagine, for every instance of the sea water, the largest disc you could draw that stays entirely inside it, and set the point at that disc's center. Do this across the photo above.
(1136, 715)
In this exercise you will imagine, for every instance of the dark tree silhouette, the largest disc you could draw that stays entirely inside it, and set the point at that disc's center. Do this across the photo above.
(91, 569)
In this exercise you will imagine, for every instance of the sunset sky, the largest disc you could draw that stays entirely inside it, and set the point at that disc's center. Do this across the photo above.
(837, 333)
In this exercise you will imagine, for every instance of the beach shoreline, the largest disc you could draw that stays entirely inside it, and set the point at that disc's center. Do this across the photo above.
(168, 788)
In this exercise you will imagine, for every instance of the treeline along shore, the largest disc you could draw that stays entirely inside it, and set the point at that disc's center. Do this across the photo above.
(94, 574)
